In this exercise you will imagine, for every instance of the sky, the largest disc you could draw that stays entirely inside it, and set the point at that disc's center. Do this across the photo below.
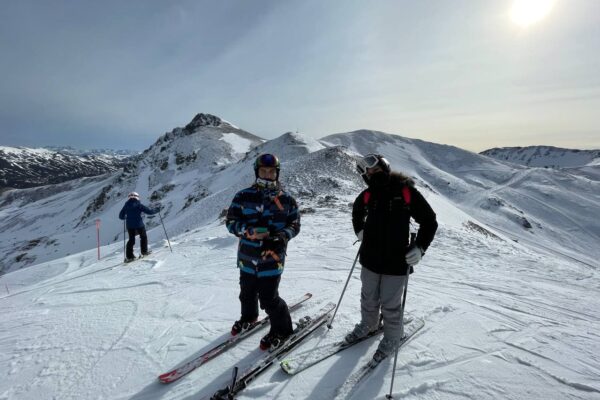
(119, 74)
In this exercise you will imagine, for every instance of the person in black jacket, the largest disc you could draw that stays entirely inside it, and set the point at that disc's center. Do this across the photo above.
(381, 218)
(132, 214)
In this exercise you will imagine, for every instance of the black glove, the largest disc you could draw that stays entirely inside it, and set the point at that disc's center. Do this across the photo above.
(276, 242)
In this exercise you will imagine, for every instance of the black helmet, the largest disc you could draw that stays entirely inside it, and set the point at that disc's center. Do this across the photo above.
(372, 161)
(266, 160)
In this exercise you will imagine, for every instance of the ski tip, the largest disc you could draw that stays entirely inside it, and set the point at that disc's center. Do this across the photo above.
(168, 377)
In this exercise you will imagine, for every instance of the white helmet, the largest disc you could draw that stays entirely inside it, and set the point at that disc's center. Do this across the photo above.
(134, 195)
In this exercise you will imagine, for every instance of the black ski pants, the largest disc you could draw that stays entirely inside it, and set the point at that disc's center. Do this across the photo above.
(265, 290)
(131, 241)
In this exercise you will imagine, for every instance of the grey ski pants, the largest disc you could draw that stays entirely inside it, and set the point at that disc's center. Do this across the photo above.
(382, 292)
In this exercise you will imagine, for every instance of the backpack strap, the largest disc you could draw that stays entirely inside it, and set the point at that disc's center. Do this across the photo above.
(406, 194)
(277, 202)
(366, 197)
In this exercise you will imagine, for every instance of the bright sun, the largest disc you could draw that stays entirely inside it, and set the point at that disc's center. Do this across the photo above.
(528, 12)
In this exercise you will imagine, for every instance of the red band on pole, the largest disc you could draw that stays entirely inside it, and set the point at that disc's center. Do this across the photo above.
(98, 235)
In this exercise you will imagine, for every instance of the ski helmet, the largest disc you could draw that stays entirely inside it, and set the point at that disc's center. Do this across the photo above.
(372, 161)
(134, 195)
(267, 160)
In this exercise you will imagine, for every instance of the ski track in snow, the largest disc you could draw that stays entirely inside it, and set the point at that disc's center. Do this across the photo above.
(502, 321)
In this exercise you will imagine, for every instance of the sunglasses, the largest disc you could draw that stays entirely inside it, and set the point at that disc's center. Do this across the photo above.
(368, 161)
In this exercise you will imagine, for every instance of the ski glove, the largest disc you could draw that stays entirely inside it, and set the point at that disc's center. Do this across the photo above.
(413, 255)
(275, 242)
(359, 235)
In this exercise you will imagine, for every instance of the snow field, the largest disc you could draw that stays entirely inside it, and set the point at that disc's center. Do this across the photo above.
(502, 320)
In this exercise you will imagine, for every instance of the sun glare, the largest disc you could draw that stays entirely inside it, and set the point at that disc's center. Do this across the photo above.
(528, 12)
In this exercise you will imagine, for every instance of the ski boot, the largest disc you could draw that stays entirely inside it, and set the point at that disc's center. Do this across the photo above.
(240, 326)
(272, 341)
(360, 331)
(385, 348)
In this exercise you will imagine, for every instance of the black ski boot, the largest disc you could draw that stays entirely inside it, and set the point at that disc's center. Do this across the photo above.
(272, 340)
(241, 326)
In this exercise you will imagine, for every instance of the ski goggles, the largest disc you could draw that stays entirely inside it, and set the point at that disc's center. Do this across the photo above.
(368, 161)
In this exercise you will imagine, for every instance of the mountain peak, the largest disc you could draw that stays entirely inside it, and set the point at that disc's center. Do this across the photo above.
(201, 120)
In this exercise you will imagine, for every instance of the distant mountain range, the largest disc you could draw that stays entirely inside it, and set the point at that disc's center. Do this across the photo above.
(580, 162)
(194, 172)
(22, 167)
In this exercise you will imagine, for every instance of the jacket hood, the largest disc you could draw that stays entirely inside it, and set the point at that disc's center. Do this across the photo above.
(400, 178)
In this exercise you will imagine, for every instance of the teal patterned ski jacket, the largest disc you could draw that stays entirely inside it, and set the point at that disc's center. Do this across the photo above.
(258, 209)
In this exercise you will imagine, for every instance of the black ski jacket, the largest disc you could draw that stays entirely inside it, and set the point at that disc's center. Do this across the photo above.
(384, 216)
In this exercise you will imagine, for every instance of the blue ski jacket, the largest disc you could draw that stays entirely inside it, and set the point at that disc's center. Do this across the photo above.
(132, 213)
(261, 209)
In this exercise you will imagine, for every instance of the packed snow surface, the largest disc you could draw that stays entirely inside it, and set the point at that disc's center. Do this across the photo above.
(502, 320)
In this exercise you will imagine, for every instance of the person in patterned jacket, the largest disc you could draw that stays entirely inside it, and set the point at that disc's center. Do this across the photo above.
(265, 218)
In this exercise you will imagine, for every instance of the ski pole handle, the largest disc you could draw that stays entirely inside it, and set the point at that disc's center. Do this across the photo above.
(329, 325)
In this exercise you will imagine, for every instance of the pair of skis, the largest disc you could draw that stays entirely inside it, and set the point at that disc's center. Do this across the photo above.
(303, 361)
(351, 385)
(201, 359)
(305, 327)
(291, 366)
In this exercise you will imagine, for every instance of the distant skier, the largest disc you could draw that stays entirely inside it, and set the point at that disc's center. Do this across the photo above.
(265, 218)
(132, 214)
(381, 218)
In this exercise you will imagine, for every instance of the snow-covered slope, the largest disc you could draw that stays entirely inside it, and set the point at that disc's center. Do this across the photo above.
(503, 321)
(534, 205)
(22, 167)
(579, 162)
(544, 156)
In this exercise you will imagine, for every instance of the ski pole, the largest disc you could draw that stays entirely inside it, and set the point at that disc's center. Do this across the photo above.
(389, 396)
(345, 286)
(165, 229)
(124, 251)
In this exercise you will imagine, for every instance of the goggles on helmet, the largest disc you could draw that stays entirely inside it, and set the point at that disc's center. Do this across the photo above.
(368, 161)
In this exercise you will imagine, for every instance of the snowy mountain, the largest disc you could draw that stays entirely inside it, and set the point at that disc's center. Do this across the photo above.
(532, 205)
(90, 152)
(22, 167)
(509, 289)
(580, 162)
(40, 224)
